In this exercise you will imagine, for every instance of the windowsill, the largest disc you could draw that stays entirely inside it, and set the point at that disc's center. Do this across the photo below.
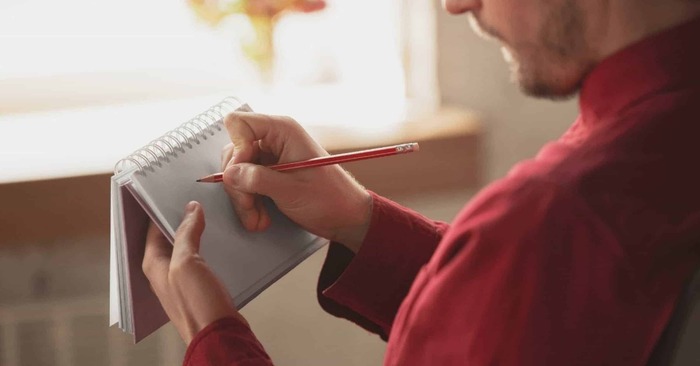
(69, 200)
(63, 143)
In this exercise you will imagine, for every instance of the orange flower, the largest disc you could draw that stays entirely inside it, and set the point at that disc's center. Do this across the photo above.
(262, 14)
(214, 11)
(271, 8)
(308, 6)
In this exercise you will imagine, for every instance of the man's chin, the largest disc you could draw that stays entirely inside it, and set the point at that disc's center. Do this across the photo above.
(539, 88)
(538, 84)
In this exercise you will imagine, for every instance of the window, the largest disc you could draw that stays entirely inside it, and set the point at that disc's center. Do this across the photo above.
(141, 67)
(332, 66)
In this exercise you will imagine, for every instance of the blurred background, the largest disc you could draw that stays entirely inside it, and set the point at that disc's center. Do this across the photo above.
(84, 83)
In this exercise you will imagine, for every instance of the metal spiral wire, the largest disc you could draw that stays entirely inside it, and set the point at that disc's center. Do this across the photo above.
(179, 139)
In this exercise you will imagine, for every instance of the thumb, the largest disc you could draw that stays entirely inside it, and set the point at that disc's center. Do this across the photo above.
(257, 179)
(188, 235)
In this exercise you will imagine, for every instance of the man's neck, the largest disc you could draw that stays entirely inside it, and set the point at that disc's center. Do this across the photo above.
(631, 21)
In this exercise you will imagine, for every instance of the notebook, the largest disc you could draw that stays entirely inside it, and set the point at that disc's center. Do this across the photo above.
(156, 182)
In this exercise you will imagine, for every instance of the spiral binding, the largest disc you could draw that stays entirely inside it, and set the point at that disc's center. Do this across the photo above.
(179, 139)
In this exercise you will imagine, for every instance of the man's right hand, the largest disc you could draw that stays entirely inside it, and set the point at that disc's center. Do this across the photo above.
(325, 201)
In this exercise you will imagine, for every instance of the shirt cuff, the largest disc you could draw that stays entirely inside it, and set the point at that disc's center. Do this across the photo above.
(226, 341)
(368, 288)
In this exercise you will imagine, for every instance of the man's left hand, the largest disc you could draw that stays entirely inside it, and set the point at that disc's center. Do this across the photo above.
(191, 294)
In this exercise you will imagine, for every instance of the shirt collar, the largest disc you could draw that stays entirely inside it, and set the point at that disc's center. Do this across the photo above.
(664, 61)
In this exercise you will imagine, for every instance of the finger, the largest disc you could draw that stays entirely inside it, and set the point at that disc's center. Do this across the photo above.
(226, 155)
(243, 136)
(189, 233)
(156, 258)
(256, 179)
(263, 221)
(266, 156)
(245, 128)
(245, 207)
(250, 210)
(248, 154)
(245, 203)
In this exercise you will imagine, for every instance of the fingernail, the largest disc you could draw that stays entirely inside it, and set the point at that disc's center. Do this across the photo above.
(190, 207)
(231, 174)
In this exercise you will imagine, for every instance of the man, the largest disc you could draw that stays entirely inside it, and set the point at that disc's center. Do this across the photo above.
(576, 257)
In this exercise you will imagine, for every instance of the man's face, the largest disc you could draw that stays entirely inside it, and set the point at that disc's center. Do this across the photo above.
(544, 41)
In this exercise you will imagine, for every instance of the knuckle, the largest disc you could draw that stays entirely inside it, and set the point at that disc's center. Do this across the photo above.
(147, 267)
(254, 177)
(230, 119)
(289, 122)
(226, 149)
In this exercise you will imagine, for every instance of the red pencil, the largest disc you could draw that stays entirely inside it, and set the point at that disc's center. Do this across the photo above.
(332, 159)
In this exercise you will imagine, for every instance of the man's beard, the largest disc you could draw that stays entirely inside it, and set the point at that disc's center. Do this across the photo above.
(554, 65)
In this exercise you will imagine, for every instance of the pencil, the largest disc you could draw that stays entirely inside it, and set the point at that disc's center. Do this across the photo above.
(332, 159)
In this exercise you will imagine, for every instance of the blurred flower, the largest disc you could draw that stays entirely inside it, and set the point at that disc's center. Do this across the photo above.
(262, 14)
(214, 11)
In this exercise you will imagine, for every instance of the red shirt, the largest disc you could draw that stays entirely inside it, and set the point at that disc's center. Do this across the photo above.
(576, 257)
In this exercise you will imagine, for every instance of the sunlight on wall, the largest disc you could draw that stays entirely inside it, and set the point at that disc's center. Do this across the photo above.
(347, 55)
(107, 77)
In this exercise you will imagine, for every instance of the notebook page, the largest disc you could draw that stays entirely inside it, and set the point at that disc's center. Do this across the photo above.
(119, 231)
(114, 302)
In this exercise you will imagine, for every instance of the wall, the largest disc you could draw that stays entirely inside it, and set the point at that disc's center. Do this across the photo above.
(473, 74)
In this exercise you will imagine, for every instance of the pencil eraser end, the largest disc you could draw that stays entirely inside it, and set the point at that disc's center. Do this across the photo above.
(415, 146)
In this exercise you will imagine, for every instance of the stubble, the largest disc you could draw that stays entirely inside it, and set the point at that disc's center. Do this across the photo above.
(554, 63)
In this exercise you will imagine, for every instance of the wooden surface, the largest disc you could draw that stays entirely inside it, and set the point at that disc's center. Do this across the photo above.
(39, 212)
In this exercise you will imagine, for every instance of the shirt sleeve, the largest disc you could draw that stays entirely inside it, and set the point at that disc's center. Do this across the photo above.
(529, 275)
(226, 342)
(368, 288)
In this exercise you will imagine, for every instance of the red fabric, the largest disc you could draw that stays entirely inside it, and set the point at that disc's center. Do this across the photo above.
(226, 342)
(576, 257)
(375, 282)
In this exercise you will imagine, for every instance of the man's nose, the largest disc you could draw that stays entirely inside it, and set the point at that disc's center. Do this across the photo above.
(460, 6)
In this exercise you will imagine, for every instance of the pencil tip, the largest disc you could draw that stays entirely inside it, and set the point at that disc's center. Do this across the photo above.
(198, 180)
